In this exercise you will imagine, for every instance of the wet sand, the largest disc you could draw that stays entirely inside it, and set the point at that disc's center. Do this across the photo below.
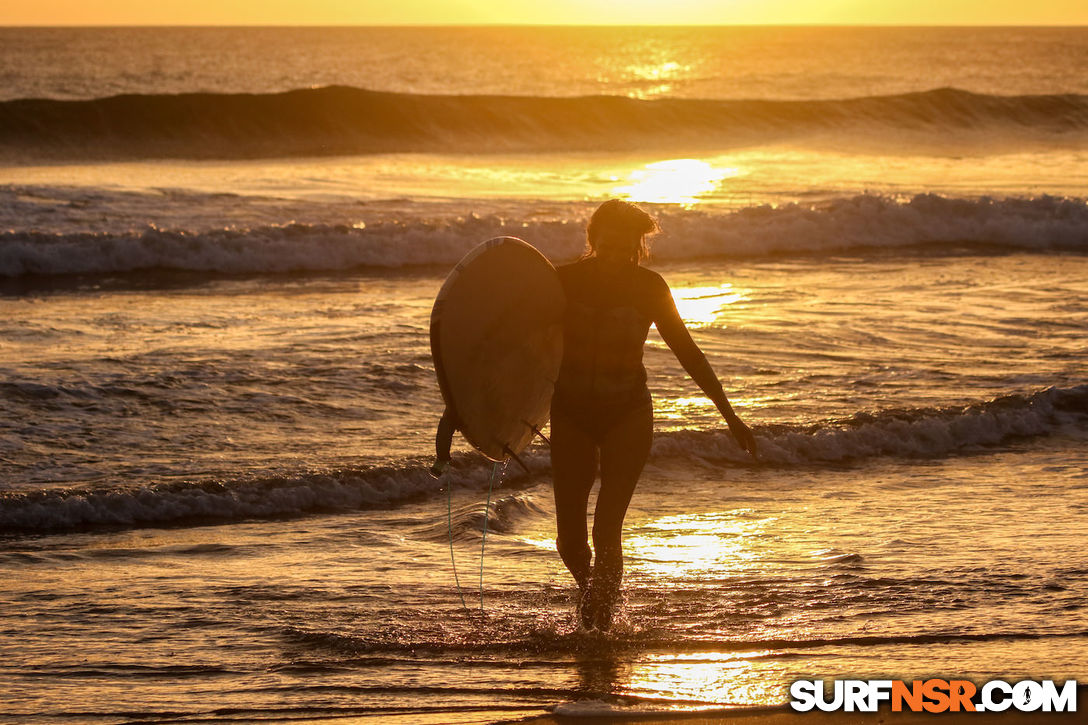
(788, 717)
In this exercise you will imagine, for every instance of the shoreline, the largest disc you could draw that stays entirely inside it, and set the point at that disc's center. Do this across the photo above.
(785, 716)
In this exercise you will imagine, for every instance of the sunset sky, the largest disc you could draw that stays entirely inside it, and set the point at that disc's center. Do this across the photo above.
(439, 12)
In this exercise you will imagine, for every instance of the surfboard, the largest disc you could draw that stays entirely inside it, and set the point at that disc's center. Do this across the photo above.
(497, 341)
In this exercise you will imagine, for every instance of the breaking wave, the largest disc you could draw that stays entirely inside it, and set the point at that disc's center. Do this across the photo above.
(864, 221)
(909, 433)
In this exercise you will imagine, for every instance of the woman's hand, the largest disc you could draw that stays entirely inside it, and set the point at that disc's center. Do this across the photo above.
(742, 433)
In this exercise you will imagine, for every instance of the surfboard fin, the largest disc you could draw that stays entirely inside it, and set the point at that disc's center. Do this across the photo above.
(536, 430)
(507, 451)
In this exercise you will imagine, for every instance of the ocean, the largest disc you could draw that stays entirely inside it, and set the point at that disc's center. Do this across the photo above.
(219, 248)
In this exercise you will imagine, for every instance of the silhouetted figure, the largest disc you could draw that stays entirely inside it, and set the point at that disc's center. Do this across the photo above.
(601, 409)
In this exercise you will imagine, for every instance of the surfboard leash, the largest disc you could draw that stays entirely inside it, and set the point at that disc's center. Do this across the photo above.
(483, 542)
(449, 525)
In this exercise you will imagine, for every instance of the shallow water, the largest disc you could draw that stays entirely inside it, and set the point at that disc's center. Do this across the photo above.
(217, 401)
(291, 560)
(289, 377)
(739, 581)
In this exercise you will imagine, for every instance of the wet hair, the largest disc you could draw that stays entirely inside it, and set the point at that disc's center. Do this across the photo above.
(625, 220)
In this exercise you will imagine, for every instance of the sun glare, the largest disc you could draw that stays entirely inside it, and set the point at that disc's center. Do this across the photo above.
(676, 181)
(681, 409)
(687, 544)
(659, 76)
(735, 678)
(703, 306)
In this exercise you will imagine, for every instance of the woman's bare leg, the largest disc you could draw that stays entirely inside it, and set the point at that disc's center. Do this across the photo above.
(624, 451)
(574, 467)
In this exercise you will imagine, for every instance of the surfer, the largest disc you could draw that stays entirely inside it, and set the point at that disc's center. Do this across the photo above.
(601, 410)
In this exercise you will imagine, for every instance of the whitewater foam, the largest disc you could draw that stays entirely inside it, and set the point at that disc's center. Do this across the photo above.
(864, 221)
(912, 433)
(915, 433)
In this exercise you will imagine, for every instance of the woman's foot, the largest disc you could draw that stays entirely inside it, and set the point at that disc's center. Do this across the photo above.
(597, 607)
(602, 618)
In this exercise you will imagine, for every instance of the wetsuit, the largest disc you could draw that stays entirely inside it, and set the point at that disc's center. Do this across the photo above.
(609, 312)
(602, 415)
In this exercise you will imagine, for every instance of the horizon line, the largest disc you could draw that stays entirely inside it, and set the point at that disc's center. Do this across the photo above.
(546, 25)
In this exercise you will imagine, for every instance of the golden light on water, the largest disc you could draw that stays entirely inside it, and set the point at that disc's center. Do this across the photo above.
(662, 75)
(682, 409)
(658, 71)
(741, 678)
(703, 306)
(686, 544)
(694, 547)
(699, 307)
(675, 181)
(677, 413)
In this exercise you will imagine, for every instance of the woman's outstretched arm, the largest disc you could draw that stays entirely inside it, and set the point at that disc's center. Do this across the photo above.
(675, 333)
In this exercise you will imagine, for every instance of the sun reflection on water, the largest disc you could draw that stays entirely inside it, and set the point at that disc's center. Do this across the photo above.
(683, 408)
(656, 71)
(675, 181)
(718, 678)
(684, 545)
(686, 549)
(702, 306)
(662, 76)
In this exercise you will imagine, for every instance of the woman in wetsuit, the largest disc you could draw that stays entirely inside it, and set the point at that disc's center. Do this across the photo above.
(601, 409)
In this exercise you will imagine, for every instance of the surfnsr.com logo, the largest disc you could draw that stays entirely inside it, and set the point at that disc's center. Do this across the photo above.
(934, 696)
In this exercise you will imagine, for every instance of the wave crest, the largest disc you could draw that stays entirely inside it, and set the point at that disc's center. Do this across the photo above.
(344, 120)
